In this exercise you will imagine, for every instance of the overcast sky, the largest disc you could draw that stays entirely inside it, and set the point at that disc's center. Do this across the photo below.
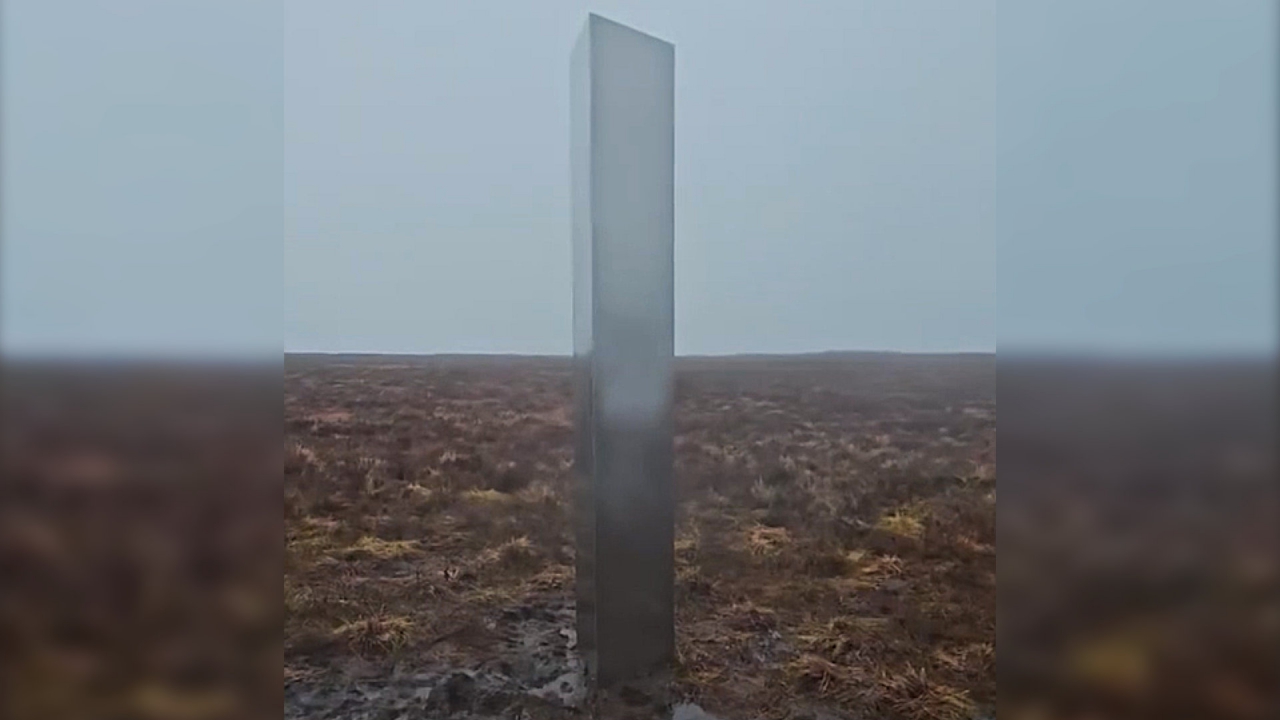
(837, 167)
(835, 174)
(1137, 175)
(142, 175)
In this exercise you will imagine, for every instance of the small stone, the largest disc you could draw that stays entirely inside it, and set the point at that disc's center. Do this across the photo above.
(571, 636)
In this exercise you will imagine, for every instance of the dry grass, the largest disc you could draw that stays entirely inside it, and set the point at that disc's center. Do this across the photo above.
(382, 634)
(828, 541)
(902, 522)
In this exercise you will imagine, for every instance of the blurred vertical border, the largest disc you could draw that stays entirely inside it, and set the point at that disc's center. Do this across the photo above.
(1138, 543)
(141, 532)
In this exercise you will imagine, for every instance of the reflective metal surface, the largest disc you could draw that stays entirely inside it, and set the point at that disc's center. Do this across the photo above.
(623, 165)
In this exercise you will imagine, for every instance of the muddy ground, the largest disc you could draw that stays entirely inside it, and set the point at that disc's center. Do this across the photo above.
(835, 542)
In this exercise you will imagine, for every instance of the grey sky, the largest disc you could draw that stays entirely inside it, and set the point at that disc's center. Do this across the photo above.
(835, 177)
(141, 177)
(837, 171)
(1137, 175)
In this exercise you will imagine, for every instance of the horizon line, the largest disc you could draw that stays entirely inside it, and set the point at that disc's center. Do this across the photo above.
(496, 354)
